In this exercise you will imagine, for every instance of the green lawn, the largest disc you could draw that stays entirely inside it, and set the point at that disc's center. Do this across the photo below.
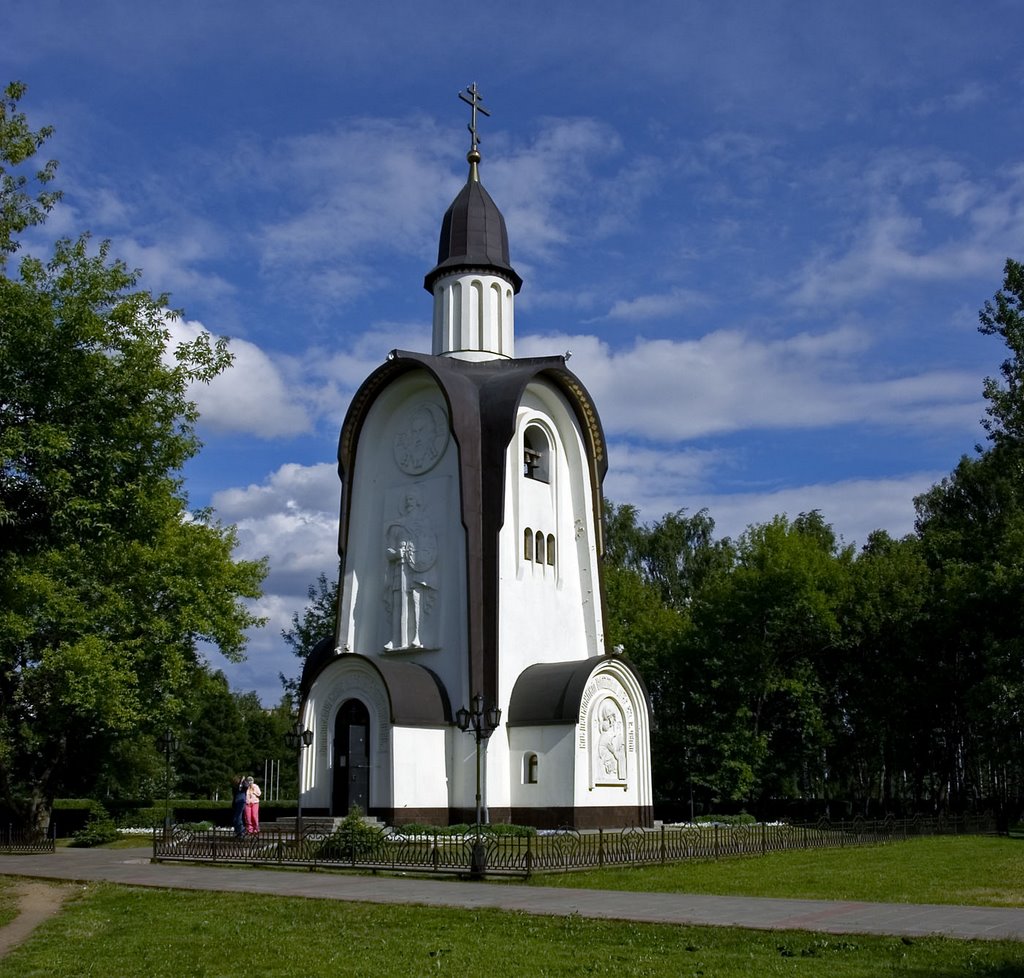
(139, 933)
(108, 930)
(981, 870)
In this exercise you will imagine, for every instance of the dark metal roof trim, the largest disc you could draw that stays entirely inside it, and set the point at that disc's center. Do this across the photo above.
(317, 660)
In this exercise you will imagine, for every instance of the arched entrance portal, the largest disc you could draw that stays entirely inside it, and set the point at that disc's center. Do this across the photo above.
(351, 758)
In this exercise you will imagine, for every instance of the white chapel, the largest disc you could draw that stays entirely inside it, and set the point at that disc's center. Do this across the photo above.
(468, 672)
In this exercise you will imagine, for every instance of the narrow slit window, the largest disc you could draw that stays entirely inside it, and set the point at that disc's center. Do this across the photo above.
(530, 769)
(528, 544)
(540, 547)
(551, 549)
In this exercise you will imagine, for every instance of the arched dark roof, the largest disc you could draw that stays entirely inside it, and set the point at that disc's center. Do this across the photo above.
(416, 694)
(473, 236)
(321, 654)
(418, 697)
(551, 692)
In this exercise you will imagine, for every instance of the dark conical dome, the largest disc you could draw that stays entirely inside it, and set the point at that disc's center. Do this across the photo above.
(473, 235)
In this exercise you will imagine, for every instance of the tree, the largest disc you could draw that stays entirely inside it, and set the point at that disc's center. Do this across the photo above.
(676, 555)
(109, 583)
(765, 633)
(317, 621)
(971, 527)
(212, 742)
(652, 574)
(1004, 316)
(20, 209)
(882, 688)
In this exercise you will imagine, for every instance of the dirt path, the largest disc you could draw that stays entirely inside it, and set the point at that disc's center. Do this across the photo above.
(36, 902)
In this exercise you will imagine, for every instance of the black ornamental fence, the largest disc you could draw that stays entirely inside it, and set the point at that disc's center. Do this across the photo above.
(564, 850)
(17, 842)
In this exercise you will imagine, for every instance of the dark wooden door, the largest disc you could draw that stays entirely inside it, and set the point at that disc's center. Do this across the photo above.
(351, 758)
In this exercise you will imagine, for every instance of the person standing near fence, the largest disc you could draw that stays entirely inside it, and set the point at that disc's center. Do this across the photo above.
(239, 789)
(252, 805)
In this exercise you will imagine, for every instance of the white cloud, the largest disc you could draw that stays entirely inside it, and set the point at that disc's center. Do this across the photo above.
(292, 518)
(919, 220)
(155, 227)
(358, 186)
(549, 191)
(293, 512)
(254, 395)
(367, 189)
(649, 477)
(728, 381)
(854, 507)
(658, 306)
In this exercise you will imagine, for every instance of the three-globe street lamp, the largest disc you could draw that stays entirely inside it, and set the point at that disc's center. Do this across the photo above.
(298, 739)
(170, 743)
(484, 722)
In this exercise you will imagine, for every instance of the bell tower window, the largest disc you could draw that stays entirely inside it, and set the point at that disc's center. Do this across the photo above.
(536, 454)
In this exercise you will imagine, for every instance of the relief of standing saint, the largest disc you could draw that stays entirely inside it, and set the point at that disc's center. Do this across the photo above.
(611, 744)
(411, 549)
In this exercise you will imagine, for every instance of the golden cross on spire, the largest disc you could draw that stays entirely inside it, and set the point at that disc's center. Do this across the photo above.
(474, 100)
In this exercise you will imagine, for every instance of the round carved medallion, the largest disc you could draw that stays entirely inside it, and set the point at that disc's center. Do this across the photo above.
(422, 438)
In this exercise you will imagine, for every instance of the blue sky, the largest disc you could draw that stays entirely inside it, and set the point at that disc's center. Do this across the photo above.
(763, 229)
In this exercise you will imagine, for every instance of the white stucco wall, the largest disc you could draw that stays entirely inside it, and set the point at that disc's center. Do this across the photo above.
(473, 317)
(420, 768)
(555, 750)
(393, 459)
(549, 613)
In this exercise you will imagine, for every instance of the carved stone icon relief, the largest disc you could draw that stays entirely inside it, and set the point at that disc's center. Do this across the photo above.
(410, 592)
(607, 731)
(609, 759)
(421, 438)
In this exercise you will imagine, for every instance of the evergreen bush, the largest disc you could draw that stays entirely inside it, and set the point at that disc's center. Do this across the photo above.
(99, 828)
(351, 839)
(744, 818)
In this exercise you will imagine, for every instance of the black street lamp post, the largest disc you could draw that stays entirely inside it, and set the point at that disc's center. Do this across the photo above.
(484, 722)
(170, 743)
(298, 739)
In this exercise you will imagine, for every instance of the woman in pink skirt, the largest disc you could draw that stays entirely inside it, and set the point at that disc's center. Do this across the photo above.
(252, 806)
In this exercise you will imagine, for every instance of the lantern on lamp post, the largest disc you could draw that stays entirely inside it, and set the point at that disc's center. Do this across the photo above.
(298, 739)
(483, 722)
(170, 743)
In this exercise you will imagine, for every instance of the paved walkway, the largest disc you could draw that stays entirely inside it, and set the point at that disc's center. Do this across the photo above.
(133, 868)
